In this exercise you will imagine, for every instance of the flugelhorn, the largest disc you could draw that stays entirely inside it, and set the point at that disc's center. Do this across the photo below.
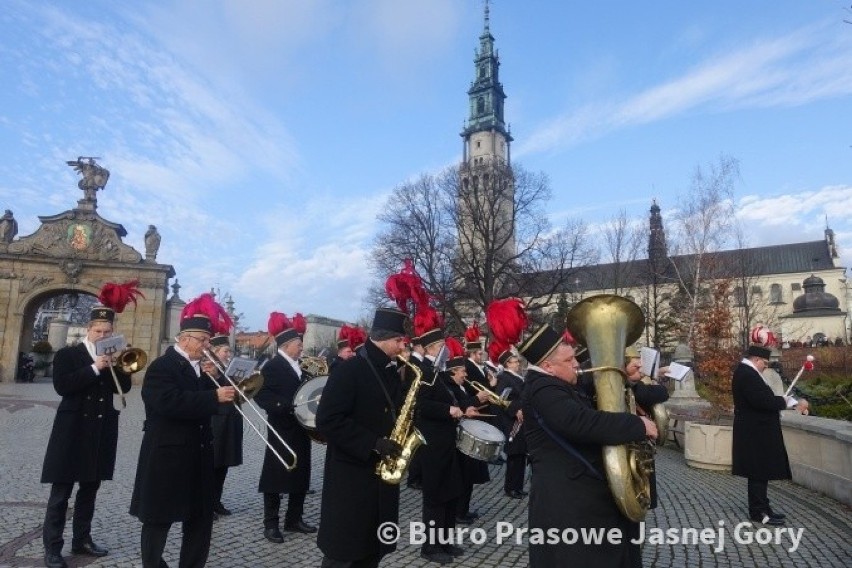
(246, 394)
(493, 397)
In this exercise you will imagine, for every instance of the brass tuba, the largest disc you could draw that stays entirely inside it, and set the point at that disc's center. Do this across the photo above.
(605, 324)
(660, 415)
(391, 470)
(131, 360)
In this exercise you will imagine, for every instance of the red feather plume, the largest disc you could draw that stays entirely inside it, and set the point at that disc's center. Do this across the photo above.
(426, 319)
(507, 320)
(300, 324)
(569, 339)
(344, 333)
(357, 337)
(472, 333)
(117, 296)
(277, 323)
(205, 304)
(455, 347)
(495, 349)
(405, 286)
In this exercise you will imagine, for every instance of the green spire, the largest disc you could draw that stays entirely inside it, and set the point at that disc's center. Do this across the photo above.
(486, 93)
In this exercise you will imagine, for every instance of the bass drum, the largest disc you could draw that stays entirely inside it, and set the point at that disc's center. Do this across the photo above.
(305, 405)
(479, 440)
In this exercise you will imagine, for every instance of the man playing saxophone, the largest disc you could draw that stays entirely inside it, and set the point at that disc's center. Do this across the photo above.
(357, 413)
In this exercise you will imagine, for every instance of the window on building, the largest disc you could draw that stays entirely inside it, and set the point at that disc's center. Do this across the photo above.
(796, 286)
(480, 105)
(739, 296)
(775, 294)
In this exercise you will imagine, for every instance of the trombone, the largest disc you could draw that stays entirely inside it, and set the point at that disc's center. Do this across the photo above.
(493, 397)
(246, 389)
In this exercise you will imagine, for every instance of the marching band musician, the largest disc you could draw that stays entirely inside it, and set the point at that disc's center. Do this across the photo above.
(344, 348)
(438, 410)
(473, 471)
(512, 420)
(415, 470)
(282, 377)
(227, 425)
(565, 436)
(646, 394)
(174, 475)
(356, 415)
(84, 438)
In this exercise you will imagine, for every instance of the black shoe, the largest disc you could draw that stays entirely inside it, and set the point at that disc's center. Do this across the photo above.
(52, 560)
(310, 491)
(779, 516)
(464, 520)
(301, 527)
(273, 535)
(453, 550)
(767, 520)
(438, 556)
(417, 486)
(515, 494)
(472, 515)
(220, 509)
(89, 548)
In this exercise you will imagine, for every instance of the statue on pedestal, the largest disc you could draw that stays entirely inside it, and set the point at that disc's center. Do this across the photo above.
(8, 227)
(94, 176)
(152, 243)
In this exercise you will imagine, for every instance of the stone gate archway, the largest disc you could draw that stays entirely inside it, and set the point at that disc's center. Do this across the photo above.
(76, 251)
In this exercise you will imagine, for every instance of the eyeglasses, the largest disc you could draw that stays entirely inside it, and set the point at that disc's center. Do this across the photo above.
(204, 339)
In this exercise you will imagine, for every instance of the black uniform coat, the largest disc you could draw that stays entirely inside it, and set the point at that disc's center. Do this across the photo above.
(442, 476)
(758, 445)
(174, 476)
(85, 430)
(472, 469)
(352, 415)
(227, 425)
(506, 417)
(564, 493)
(280, 383)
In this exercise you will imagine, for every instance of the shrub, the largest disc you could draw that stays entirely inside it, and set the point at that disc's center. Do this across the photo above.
(42, 348)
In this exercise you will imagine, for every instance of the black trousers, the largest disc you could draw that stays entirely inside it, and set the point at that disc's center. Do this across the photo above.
(369, 562)
(194, 546)
(463, 502)
(758, 501)
(272, 507)
(516, 468)
(219, 475)
(415, 470)
(57, 507)
(439, 516)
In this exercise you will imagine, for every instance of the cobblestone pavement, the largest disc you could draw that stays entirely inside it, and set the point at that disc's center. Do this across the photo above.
(688, 498)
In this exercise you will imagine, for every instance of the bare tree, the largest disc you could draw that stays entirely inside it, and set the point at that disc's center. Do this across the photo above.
(703, 225)
(477, 234)
(622, 243)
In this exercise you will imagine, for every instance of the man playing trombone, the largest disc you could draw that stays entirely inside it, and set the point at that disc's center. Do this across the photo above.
(83, 441)
(174, 476)
(282, 376)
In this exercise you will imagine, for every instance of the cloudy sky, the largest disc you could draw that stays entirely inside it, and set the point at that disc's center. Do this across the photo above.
(262, 137)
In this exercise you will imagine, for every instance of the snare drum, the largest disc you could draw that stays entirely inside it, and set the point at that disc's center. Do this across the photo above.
(479, 440)
(305, 405)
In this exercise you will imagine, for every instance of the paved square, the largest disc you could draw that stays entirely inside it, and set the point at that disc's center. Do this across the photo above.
(688, 498)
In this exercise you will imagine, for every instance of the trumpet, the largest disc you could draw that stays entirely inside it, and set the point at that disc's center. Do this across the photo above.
(493, 397)
(246, 389)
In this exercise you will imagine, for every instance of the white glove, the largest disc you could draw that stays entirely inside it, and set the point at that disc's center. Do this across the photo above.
(791, 402)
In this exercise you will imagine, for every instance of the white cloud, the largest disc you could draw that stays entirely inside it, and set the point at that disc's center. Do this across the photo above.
(795, 69)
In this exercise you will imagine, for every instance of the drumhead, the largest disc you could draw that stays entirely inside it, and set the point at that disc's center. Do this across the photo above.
(307, 401)
(482, 430)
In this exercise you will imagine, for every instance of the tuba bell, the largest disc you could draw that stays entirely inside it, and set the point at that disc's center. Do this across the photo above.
(605, 324)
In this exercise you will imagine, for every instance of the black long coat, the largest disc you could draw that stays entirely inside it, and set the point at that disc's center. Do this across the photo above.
(564, 493)
(473, 470)
(174, 476)
(352, 415)
(85, 430)
(280, 383)
(506, 417)
(442, 475)
(227, 426)
(758, 444)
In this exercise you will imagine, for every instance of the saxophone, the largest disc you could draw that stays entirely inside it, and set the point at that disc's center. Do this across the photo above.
(389, 469)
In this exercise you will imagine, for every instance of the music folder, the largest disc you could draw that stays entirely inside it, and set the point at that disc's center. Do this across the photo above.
(110, 345)
(240, 368)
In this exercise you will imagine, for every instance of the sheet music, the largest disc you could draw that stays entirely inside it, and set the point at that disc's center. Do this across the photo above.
(650, 359)
(240, 368)
(677, 371)
(110, 345)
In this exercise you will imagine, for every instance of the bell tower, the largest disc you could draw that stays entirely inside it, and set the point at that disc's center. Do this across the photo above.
(486, 222)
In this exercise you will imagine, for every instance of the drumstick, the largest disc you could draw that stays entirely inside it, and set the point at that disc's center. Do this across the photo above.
(809, 364)
(310, 400)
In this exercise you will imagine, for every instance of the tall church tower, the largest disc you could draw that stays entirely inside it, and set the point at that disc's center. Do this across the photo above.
(486, 223)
